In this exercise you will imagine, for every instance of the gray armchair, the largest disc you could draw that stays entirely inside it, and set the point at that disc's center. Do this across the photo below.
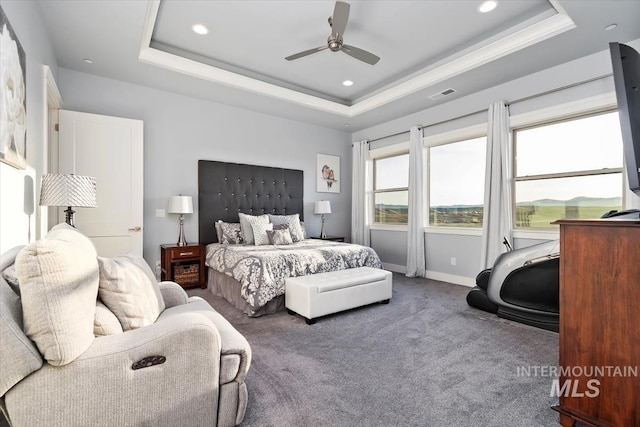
(188, 368)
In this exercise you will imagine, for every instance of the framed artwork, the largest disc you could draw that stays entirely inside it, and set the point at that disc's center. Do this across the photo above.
(327, 173)
(13, 99)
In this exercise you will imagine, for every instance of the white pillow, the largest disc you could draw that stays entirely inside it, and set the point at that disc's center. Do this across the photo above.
(129, 288)
(247, 222)
(58, 277)
(105, 323)
(260, 233)
(293, 222)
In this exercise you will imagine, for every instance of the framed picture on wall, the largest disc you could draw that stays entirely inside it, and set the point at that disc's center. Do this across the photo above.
(327, 173)
(13, 97)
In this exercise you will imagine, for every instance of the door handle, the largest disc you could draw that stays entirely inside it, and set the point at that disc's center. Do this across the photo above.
(136, 228)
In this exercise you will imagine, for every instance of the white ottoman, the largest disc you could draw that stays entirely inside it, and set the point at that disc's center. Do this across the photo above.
(320, 294)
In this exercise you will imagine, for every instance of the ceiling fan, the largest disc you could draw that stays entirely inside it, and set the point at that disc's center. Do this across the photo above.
(338, 23)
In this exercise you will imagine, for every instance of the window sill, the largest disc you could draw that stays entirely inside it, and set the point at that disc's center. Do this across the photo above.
(388, 227)
(460, 231)
(547, 234)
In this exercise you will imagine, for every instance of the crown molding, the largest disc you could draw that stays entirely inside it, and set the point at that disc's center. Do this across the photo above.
(537, 32)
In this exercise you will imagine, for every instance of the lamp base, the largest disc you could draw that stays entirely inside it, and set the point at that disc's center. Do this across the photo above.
(69, 216)
(323, 235)
(181, 240)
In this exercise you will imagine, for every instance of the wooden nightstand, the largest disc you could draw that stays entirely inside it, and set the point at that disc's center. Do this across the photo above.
(331, 238)
(183, 264)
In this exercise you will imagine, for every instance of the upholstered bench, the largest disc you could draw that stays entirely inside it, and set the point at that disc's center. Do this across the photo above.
(320, 294)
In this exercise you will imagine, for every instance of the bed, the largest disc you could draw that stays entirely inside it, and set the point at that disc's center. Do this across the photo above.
(251, 277)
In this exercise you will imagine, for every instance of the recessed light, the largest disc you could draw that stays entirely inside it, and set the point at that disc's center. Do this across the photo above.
(487, 6)
(347, 124)
(88, 61)
(610, 27)
(200, 29)
(347, 83)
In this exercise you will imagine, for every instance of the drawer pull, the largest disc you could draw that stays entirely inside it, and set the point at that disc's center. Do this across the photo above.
(186, 253)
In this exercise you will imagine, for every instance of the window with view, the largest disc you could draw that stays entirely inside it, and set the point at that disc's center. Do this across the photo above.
(456, 183)
(391, 189)
(567, 170)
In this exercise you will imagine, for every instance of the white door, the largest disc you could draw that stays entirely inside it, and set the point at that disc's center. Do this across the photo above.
(109, 149)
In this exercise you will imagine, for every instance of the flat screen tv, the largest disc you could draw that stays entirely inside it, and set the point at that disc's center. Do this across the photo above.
(626, 78)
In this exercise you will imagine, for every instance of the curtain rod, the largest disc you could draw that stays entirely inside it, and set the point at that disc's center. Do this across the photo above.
(526, 98)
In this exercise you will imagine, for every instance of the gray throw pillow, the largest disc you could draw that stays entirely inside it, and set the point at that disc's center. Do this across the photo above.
(293, 222)
(280, 237)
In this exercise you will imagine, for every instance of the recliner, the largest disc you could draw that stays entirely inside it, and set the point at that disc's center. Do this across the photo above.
(522, 285)
(187, 368)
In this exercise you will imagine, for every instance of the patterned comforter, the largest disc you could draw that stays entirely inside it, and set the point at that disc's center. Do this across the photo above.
(261, 270)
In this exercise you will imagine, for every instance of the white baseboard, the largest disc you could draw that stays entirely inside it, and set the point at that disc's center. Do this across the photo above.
(396, 268)
(451, 278)
(435, 275)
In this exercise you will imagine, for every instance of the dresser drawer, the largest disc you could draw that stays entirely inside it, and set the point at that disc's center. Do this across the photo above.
(186, 252)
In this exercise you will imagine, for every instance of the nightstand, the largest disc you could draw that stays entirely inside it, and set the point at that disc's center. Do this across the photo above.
(331, 238)
(183, 264)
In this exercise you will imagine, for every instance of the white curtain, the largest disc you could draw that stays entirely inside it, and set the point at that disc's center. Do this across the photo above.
(416, 262)
(497, 217)
(359, 211)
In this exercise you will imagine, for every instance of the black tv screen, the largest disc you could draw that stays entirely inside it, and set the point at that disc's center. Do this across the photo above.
(626, 77)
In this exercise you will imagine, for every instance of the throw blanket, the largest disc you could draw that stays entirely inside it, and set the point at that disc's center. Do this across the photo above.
(262, 270)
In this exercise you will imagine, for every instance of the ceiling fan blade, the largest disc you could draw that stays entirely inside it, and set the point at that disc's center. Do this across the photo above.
(360, 54)
(339, 19)
(305, 53)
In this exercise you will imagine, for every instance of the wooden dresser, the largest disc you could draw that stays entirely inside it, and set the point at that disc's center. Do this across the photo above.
(600, 322)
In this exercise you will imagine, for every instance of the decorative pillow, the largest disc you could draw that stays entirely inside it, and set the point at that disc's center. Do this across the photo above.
(280, 237)
(230, 233)
(293, 221)
(260, 233)
(9, 274)
(129, 289)
(105, 322)
(58, 277)
(247, 222)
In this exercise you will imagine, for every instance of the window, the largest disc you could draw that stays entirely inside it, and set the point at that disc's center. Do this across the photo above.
(567, 170)
(456, 183)
(391, 189)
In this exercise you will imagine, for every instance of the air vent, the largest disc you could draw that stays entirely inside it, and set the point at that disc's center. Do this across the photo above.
(442, 94)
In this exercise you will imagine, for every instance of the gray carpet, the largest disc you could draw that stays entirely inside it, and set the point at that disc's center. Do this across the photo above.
(425, 359)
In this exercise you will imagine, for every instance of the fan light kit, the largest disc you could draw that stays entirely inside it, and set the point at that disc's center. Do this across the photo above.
(338, 23)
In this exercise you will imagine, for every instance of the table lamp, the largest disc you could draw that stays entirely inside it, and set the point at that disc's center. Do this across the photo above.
(68, 190)
(181, 205)
(322, 207)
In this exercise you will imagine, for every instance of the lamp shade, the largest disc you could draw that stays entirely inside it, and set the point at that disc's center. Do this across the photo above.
(322, 207)
(180, 205)
(68, 190)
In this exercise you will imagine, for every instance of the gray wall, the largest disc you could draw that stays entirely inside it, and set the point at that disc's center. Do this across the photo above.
(440, 248)
(180, 130)
(16, 227)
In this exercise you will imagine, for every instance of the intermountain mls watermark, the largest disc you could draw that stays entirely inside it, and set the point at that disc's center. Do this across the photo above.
(585, 382)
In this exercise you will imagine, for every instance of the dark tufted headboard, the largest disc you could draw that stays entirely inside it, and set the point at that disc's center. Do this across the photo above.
(224, 189)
